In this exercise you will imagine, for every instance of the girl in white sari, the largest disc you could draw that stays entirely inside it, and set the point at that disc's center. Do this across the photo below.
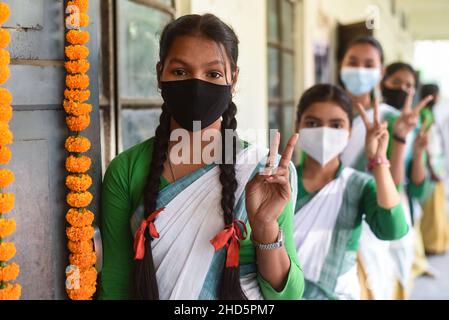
(191, 222)
(333, 200)
(361, 72)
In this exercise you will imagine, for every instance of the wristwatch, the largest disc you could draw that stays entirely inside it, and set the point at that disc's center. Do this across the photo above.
(270, 246)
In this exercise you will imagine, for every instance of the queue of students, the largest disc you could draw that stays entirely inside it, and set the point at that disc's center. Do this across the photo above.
(352, 220)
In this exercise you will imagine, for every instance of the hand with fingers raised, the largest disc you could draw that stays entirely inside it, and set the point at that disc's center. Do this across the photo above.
(267, 195)
(377, 136)
(421, 142)
(408, 120)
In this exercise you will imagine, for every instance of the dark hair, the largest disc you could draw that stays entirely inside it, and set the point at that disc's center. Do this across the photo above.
(325, 93)
(211, 27)
(399, 66)
(430, 90)
(366, 40)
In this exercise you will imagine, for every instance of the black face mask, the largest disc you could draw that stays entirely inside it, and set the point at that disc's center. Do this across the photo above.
(394, 97)
(195, 100)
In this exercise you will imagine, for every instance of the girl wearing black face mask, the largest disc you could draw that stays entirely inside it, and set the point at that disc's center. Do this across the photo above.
(201, 231)
(367, 53)
(399, 83)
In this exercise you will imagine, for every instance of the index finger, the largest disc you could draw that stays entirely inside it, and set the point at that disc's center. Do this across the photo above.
(409, 101)
(288, 152)
(363, 114)
(274, 150)
(376, 112)
(422, 104)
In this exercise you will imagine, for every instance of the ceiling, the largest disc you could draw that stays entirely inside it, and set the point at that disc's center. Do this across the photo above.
(426, 19)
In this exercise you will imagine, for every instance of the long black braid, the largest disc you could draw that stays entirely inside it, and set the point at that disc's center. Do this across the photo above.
(145, 284)
(229, 288)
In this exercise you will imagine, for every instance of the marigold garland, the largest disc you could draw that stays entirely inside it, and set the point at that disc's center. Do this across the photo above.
(80, 217)
(5, 155)
(7, 227)
(78, 123)
(8, 271)
(6, 202)
(77, 109)
(78, 182)
(7, 251)
(78, 164)
(77, 52)
(77, 66)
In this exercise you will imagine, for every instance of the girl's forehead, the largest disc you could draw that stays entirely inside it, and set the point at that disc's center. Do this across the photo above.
(324, 108)
(363, 51)
(196, 48)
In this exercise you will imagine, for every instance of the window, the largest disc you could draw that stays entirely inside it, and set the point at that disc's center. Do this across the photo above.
(281, 67)
(129, 99)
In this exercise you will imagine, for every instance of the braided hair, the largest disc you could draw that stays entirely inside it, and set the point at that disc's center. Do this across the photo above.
(211, 27)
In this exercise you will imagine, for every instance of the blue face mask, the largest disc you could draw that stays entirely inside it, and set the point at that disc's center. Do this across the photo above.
(359, 81)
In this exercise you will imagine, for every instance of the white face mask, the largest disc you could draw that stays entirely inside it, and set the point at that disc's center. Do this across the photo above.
(323, 144)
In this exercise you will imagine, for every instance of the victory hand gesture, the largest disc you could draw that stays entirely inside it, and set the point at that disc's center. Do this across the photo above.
(409, 117)
(377, 136)
(267, 195)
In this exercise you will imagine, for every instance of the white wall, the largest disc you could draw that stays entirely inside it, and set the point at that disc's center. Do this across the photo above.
(320, 22)
(248, 19)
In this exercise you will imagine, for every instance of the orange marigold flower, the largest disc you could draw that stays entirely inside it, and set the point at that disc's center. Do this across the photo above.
(83, 293)
(83, 260)
(7, 227)
(7, 251)
(4, 74)
(78, 183)
(5, 58)
(4, 12)
(80, 217)
(78, 20)
(77, 66)
(77, 95)
(5, 155)
(6, 202)
(80, 246)
(81, 278)
(6, 178)
(6, 136)
(5, 113)
(77, 109)
(77, 81)
(11, 292)
(76, 52)
(88, 277)
(5, 38)
(80, 234)
(83, 5)
(79, 200)
(78, 164)
(10, 272)
(77, 144)
(77, 37)
(77, 124)
(5, 96)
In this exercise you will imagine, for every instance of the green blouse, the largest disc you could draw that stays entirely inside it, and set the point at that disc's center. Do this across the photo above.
(386, 224)
(122, 191)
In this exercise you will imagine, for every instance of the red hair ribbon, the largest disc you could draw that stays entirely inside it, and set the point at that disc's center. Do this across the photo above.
(139, 238)
(229, 238)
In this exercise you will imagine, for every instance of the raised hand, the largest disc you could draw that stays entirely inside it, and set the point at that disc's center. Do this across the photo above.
(376, 143)
(409, 117)
(267, 195)
(421, 142)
